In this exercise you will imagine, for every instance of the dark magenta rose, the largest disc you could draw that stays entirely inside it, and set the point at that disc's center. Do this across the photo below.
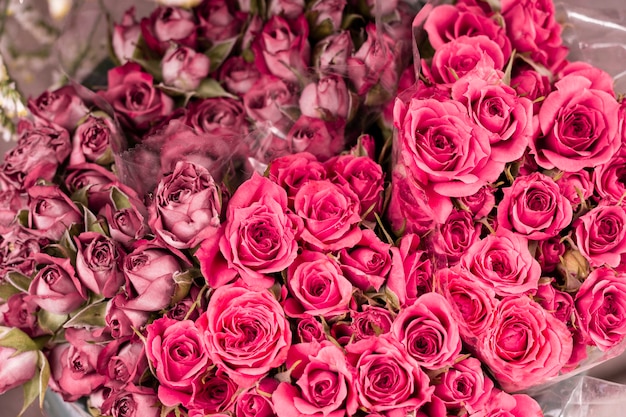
(610, 178)
(61, 107)
(214, 392)
(531, 84)
(99, 263)
(557, 302)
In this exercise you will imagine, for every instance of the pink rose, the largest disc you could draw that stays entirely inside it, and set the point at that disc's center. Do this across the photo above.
(328, 12)
(260, 234)
(367, 263)
(150, 273)
(132, 401)
(549, 253)
(331, 53)
(246, 331)
(576, 187)
(374, 63)
(17, 249)
(557, 302)
(464, 386)
(187, 206)
(121, 321)
(529, 83)
(526, 345)
(609, 179)
(183, 68)
(91, 176)
(60, 107)
(98, 263)
(330, 213)
(534, 207)
(323, 383)
(123, 362)
(309, 329)
(324, 139)
(388, 381)
(579, 126)
(169, 24)
(257, 401)
(93, 141)
(327, 99)
(219, 20)
(600, 309)
(268, 99)
(503, 262)
(600, 79)
(317, 287)
(372, 321)
(18, 367)
(178, 354)
(472, 302)
(126, 219)
(237, 75)
(125, 36)
(55, 287)
(21, 313)
(456, 236)
(291, 172)
(220, 116)
(601, 235)
(502, 404)
(291, 9)
(213, 393)
(134, 98)
(282, 48)
(442, 148)
(428, 332)
(412, 270)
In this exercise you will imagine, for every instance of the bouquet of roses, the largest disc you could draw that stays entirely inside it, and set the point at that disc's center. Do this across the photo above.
(193, 239)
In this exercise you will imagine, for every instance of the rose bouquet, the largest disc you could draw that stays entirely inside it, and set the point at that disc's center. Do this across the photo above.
(223, 230)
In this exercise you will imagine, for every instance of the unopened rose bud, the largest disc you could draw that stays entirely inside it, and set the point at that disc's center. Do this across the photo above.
(574, 268)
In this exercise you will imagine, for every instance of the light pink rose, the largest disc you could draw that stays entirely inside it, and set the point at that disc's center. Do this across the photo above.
(330, 213)
(125, 36)
(601, 235)
(388, 382)
(464, 386)
(368, 263)
(178, 354)
(237, 75)
(219, 20)
(98, 263)
(121, 321)
(132, 401)
(331, 53)
(601, 308)
(453, 238)
(525, 346)
(93, 141)
(169, 24)
(291, 172)
(268, 99)
(61, 107)
(412, 269)
(246, 331)
(55, 287)
(183, 68)
(372, 321)
(579, 126)
(323, 385)
(428, 332)
(260, 234)
(442, 148)
(317, 287)
(503, 262)
(534, 207)
(282, 48)
(17, 367)
(328, 12)
(327, 99)
(257, 401)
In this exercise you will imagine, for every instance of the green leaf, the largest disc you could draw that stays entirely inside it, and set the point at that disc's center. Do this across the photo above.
(94, 224)
(19, 281)
(44, 377)
(120, 200)
(80, 196)
(22, 217)
(509, 68)
(91, 316)
(210, 88)
(7, 290)
(219, 52)
(18, 340)
(31, 390)
(51, 322)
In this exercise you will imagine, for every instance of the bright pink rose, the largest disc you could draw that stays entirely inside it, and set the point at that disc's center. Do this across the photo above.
(529, 83)
(134, 98)
(576, 187)
(331, 53)
(502, 404)
(443, 149)
(309, 329)
(327, 99)
(480, 203)
(219, 20)
(534, 207)
(600, 79)
(557, 302)
(246, 332)
(123, 362)
(464, 386)
(317, 286)
(549, 253)
(93, 141)
(372, 321)
(213, 393)
(55, 287)
(601, 308)
(461, 55)
(169, 24)
(472, 302)
(610, 178)
(257, 401)
(61, 107)
(132, 401)
(601, 235)
(187, 206)
(330, 213)
(98, 263)
(260, 234)
(411, 273)
(388, 381)
(503, 262)
(183, 68)
(121, 321)
(125, 36)
(323, 383)
(237, 75)
(526, 345)
(453, 238)
(150, 271)
(579, 126)
(428, 332)
(282, 48)
(367, 263)
(178, 354)
(17, 367)
(293, 171)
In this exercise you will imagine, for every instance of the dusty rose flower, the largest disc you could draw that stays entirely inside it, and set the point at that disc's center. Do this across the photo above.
(93, 141)
(328, 98)
(17, 367)
(98, 263)
(60, 107)
(184, 68)
(169, 24)
(125, 36)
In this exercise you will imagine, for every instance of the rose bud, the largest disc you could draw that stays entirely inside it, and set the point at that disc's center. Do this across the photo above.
(411, 273)
(549, 253)
(574, 269)
(18, 366)
(328, 16)
(169, 24)
(51, 212)
(327, 99)
(309, 330)
(464, 386)
(132, 401)
(21, 313)
(98, 263)
(331, 53)
(126, 36)
(559, 303)
(61, 107)
(214, 392)
(321, 138)
(55, 287)
(268, 100)
(122, 362)
(120, 321)
(219, 20)
(127, 223)
(237, 75)
(183, 68)
(93, 139)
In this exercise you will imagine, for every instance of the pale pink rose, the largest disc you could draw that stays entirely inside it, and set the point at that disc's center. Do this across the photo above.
(600, 309)
(132, 401)
(534, 207)
(183, 68)
(368, 263)
(219, 20)
(324, 383)
(503, 262)
(428, 332)
(257, 401)
(17, 367)
(525, 346)
(293, 171)
(282, 48)
(453, 238)
(246, 331)
(331, 53)
(125, 36)
(388, 381)
(324, 139)
(237, 75)
(291, 9)
(94, 141)
(330, 214)
(178, 354)
(601, 235)
(327, 99)
(121, 321)
(317, 287)
(557, 302)
(169, 24)
(61, 107)
(123, 362)
(98, 263)
(464, 386)
(372, 321)
(260, 235)
(412, 269)
(55, 287)
(579, 126)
